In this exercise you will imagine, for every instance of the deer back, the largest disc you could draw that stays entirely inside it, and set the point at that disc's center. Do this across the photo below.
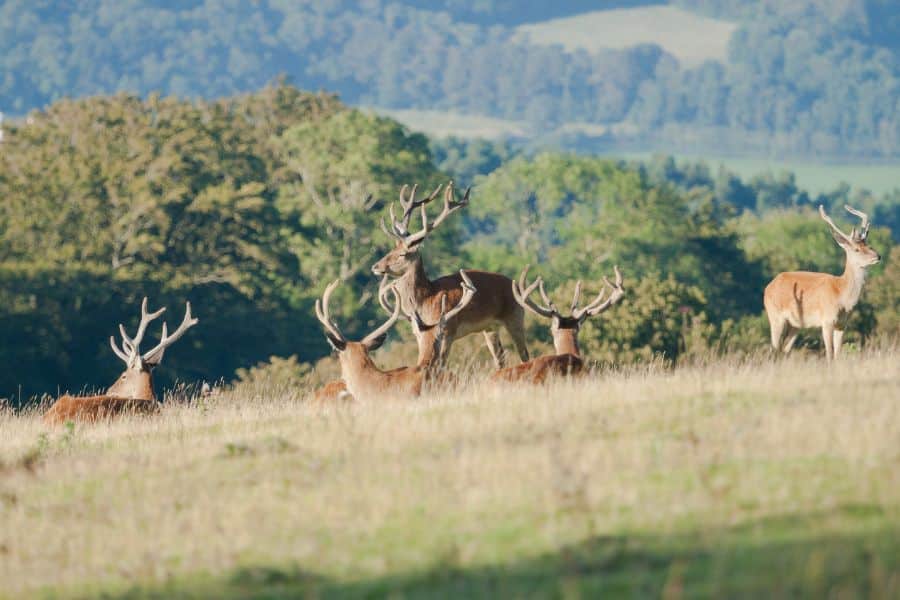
(91, 409)
(539, 370)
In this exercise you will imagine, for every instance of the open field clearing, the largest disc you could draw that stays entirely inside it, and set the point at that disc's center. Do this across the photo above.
(738, 478)
(815, 177)
(691, 38)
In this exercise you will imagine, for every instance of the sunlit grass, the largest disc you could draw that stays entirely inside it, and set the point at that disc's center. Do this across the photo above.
(737, 477)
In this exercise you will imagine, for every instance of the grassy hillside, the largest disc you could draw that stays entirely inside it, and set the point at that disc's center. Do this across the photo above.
(759, 478)
(689, 37)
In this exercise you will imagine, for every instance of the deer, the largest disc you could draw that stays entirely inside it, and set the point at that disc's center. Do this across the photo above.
(132, 392)
(493, 308)
(798, 300)
(567, 360)
(362, 378)
(337, 388)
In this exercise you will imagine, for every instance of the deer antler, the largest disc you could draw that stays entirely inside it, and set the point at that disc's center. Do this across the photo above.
(468, 293)
(131, 346)
(599, 305)
(522, 293)
(323, 315)
(155, 356)
(401, 231)
(549, 310)
(863, 227)
(372, 338)
(831, 224)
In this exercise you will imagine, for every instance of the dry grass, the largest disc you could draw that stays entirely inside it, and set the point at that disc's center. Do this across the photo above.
(729, 478)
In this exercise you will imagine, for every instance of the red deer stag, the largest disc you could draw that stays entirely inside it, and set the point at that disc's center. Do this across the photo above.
(567, 360)
(799, 299)
(363, 379)
(494, 307)
(133, 390)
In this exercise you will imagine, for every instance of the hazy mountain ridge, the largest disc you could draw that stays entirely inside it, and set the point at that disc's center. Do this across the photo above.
(814, 78)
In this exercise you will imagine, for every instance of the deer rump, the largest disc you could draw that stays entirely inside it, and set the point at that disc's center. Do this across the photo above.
(92, 409)
(538, 370)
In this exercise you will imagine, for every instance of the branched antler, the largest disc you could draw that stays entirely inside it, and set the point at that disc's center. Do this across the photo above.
(399, 230)
(549, 310)
(130, 351)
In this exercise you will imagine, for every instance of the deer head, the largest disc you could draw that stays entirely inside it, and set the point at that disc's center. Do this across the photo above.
(136, 382)
(859, 253)
(565, 328)
(353, 355)
(405, 254)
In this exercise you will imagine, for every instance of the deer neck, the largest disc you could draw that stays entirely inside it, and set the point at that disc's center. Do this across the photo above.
(429, 347)
(360, 373)
(413, 287)
(565, 341)
(852, 280)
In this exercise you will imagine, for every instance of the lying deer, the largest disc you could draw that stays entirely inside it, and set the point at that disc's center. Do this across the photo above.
(362, 378)
(799, 299)
(567, 361)
(495, 306)
(133, 390)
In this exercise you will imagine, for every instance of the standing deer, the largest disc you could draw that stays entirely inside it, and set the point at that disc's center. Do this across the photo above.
(494, 307)
(362, 378)
(133, 390)
(799, 299)
(567, 361)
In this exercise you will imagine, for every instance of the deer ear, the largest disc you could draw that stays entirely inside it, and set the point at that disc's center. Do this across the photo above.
(376, 343)
(335, 343)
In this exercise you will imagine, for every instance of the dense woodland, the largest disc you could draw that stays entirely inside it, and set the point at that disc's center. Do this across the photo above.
(248, 206)
(806, 77)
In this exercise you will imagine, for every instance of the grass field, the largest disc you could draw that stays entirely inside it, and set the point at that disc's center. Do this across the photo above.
(740, 478)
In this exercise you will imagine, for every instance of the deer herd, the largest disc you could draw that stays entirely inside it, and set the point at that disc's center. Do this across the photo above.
(443, 310)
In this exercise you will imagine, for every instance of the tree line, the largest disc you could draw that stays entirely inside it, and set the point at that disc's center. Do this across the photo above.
(249, 205)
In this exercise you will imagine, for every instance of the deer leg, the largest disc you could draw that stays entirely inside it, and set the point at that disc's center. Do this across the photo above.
(776, 328)
(516, 330)
(837, 341)
(492, 339)
(828, 338)
(792, 333)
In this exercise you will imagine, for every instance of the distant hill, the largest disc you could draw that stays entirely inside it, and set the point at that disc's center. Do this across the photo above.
(806, 78)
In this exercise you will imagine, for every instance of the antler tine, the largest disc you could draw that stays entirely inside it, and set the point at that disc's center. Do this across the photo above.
(522, 296)
(411, 204)
(546, 298)
(322, 311)
(468, 293)
(599, 305)
(119, 353)
(383, 288)
(450, 204)
(576, 297)
(155, 356)
(383, 329)
(864, 226)
(134, 344)
(391, 232)
(834, 227)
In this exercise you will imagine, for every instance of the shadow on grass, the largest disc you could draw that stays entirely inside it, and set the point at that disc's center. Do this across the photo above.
(779, 557)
